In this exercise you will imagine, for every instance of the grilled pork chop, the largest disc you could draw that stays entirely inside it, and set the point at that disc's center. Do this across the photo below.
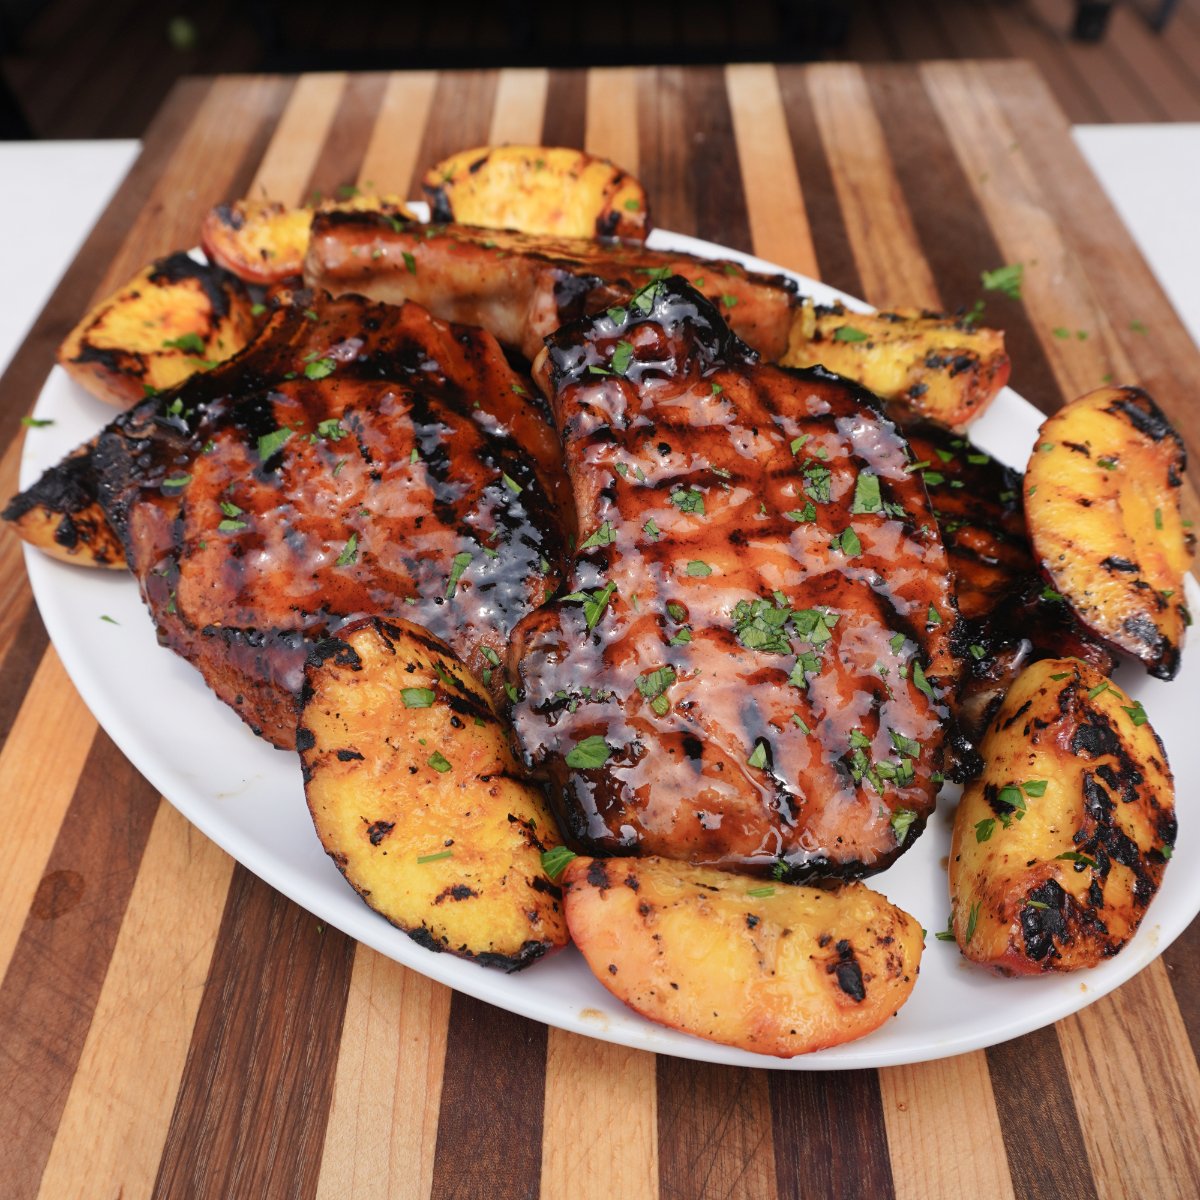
(355, 459)
(521, 288)
(1009, 617)
(748, 667)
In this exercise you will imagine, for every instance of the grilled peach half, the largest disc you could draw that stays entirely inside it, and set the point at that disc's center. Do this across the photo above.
(1102, 497)
(537, 189)
(173, 319)
(772, 968)
(1060, 845)
(416, 797)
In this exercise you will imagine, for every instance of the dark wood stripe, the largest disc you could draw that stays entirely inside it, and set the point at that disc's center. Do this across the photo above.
(664, 148)
(53, 982)
(478, 1155)
(713, 1140)
(1042, 1137)
(955, 238)
(460, 117)
(258, 138)
(835, 257)
(565, 120)
(20, 665)
(254, 1100)
(349, 133)
(1182, 958)
(831, 1123)
(714, 177)
(22, 381)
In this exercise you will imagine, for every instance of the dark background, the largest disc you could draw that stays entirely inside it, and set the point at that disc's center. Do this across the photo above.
(85, 68)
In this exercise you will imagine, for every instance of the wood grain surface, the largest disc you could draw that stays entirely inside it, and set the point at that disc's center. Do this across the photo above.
(171, 1027)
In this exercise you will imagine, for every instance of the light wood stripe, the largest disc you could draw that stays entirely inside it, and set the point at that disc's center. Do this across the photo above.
(283, 173)
(612, 118)
(382, 1128)
(1055, 288)
(774, 201)
(200, 171)
(39, 766)
(391, 156)
(944, 1136)
(137, 1044)
(1137, 1090)
(619, 1154)
(886, 248)
(520, 107)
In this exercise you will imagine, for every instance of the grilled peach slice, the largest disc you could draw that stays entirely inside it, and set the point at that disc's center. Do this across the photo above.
(771, 968)
(417, 799)
(933, 366)
(173, 319)
(61, 514)
(1061, 843)
(263, 241)
(1102, 502)
(537, 189)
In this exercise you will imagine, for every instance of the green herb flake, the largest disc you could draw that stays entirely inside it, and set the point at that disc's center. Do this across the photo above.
(651, 527)
(1136, 713)
(410, 263)
(271, 443)
(177, 481)
(510, 483)
(257, 310)
(728, 300)
(349, 552)
(319, 368)
(847, 333)
(797, 442)
(847, 542)
(461, 562)
(1035, 787)
(920, 682)
(867, 498)
(1109, 464)
(984, 829)
(800, 724)
(1048, 593)
(688, 500)
(760, 893)
(190, 343)
(428, 858)
(901, 822)
(758, 757)
(1158, 518)
(230, 526)
(110, 620)
(698, 569)
(896, 642)
(977, 652)
(36, 422)
(417, 697)
(622, 357)
(972, 921)
(439, 762)
(807, 513)
(933, 618)
(1006, 279)
(1080, 860)
(1099, 689)
(555, 861)
(588, 754)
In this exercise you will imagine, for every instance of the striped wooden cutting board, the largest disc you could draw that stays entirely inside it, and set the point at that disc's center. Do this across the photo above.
(169, 1026)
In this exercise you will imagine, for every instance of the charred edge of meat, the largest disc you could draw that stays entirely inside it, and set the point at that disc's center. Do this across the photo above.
(674, 305)
(352, 218)
(216, 282)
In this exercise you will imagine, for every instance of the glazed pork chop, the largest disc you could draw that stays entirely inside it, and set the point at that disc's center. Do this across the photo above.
(521, 287)
(355, 459)
(749, 665)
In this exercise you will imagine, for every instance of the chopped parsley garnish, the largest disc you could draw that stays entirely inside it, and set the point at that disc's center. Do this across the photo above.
(847, 542)
(319, 368)
(977, 651)
(230, 525)
(698, 569)
(901, 822)
(847, 333)
(920, 682)
(36, 422)
(1061, 675)
(110, 620)
(349, 552)
(1005, 279)
(758, 757)
(428, 858)
(984, 829)
(759, 625)
(270, 443)
(816, 481)
(1035, 787)
(807, 513)
(510, 483)
(682, 638)
(1048, 593)
(590, 753)
(331, 429)
(972, 920)
(677, 611)
(653, 686)
(688, 500)
(1098, 690)
(622, 357)
(896, 642)
(439, 762)
(177, 481)
(555, 861)
(594, 603)
(797, 442)
(1136, 713)
(867, 498)
(191, 343)
(417, 697)
(728, 300)
(462, 561)
(800, 724)
(933, 617)
(1109, 464)
(760, 893)
(257, 310)
(1080, 860)
(651, 527)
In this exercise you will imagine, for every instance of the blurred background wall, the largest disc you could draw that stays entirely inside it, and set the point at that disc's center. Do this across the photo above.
(100, 68)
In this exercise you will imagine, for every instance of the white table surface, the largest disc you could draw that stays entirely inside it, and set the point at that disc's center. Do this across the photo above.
(51, 194)
(1152, 175)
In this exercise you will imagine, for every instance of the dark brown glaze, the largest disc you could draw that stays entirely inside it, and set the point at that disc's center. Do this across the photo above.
(417, 481)
(521, 288)
(1010, 617)
(660, 410)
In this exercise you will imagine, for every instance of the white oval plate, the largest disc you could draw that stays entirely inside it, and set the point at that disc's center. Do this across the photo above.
(248, 798)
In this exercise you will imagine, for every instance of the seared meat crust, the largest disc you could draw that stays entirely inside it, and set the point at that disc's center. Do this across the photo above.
(746, 671)
(521, 288)
(354, 460)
